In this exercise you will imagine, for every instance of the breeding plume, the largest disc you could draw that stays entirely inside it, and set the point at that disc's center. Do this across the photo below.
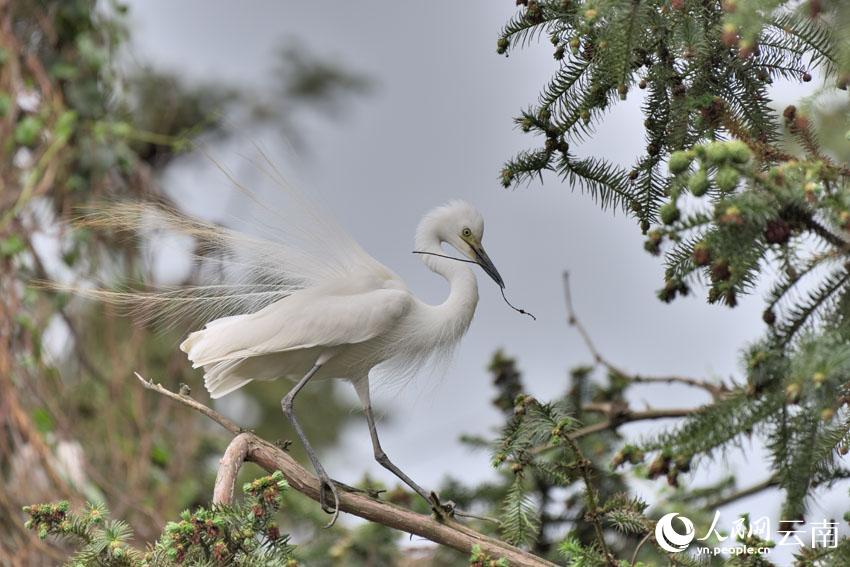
(309, 303)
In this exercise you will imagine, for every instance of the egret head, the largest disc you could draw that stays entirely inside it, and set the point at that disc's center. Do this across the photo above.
(460, 225)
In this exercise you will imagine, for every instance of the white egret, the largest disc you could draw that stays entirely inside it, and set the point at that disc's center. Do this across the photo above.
(311, 304)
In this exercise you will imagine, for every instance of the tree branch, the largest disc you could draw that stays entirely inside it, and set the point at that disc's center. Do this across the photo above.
(586, 469)
(228, 469)
(226, 423)
(631, 417)
(716, 390)
(613, 423)
(768, 483)
(826, 234)
(249, 447)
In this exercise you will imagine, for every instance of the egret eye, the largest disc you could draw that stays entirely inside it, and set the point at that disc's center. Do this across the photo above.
(466, 233)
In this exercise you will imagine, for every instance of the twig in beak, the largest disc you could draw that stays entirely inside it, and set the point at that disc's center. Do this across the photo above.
(517, 309)
(501, 287)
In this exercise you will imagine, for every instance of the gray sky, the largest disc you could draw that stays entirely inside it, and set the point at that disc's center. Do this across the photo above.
(439, 127)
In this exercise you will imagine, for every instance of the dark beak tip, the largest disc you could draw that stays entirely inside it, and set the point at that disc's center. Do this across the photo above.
(487, 265)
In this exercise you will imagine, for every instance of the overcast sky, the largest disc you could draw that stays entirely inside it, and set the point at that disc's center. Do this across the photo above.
(438, 126)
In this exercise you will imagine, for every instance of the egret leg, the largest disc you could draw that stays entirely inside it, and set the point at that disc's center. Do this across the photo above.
(385, 461)
(431, 498)
(325, 483)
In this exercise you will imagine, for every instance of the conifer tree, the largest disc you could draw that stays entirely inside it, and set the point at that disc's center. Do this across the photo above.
(729, 190)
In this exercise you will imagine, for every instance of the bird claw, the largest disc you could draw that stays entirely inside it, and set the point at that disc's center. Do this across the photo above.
(374, 492)
(326, 485)
(449, 510)
(442, 510)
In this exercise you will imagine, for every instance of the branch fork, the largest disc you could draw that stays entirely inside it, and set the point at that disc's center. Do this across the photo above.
(246, 446)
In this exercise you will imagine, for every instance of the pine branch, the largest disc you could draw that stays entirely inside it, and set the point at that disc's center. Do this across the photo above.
(713, 426)
(802, 313)
(559, 96)
(520, 524)
(607, 184)
(767, 484)
(593, 512)
(809, 37)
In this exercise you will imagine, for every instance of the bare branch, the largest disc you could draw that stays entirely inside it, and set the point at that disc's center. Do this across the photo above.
(228, 470)
(574, 322)
(716, 390)
(226, 423)
(768, 483)
(615, 421)
(446, 532)
(631, 417)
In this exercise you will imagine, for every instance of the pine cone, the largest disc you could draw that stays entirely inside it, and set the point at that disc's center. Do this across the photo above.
(789, 113)
(769, 316)
(777, 231)
(702, 254)
(720, 271)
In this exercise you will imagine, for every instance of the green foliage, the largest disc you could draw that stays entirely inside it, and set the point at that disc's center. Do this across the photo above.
(480, 559)
(748, 193)
(83, 127)
(557, 494)
(103, 541)
(245, 534)
(370, 544)
(578, 555)
(519, 520)
(705, 69)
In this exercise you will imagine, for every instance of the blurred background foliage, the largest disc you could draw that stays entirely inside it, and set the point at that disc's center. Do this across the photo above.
(80, 125)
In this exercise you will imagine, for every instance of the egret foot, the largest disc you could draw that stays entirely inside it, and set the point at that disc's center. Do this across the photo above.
(326, 486)
(450, 510)
(325, 483)
(442, 510)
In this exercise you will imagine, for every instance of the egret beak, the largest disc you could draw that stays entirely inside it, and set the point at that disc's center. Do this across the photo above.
(487, 264)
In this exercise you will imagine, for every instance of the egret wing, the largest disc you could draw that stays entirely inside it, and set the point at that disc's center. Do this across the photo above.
(326, 316)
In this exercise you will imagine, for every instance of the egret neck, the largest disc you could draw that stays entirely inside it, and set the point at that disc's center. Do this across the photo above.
(450, 319)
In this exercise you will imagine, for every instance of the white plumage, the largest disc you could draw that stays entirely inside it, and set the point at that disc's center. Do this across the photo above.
(288, 336)
(305, 301)
(364, 315)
